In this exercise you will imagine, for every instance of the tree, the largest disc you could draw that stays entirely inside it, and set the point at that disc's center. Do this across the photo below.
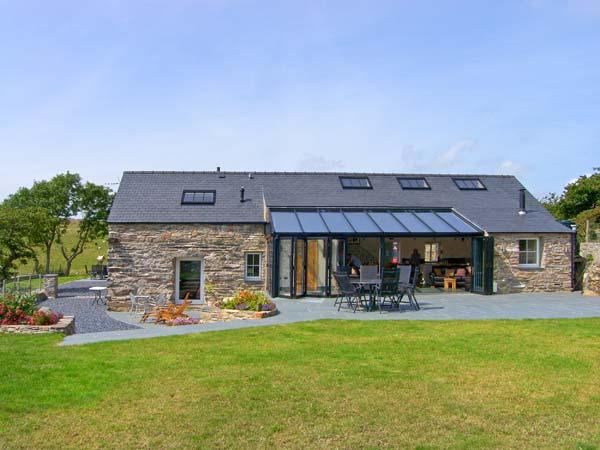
(92, 203)
(57, 198)
(577, 197)
(15, 227)
(582, 195)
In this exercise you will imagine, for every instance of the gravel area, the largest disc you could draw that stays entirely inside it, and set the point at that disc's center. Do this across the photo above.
(75, 299)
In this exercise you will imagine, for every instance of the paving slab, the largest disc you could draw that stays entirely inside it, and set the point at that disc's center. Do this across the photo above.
(433, 307)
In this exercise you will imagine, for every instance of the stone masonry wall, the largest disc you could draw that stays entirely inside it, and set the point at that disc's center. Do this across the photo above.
(554, 273)
(142, 258)
(591, 277)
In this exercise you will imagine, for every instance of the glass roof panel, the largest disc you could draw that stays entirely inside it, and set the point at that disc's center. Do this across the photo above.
(457, 222)
(336, 222)
(361, 222)
(285, 222)
(311, 222)
(387, 222)
(435, 223)
(410, 221)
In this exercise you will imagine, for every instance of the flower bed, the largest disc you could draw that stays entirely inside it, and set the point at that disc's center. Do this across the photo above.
(248, 304)
(18, 312)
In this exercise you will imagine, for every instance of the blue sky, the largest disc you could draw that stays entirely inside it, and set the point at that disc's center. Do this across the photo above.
(415, 86)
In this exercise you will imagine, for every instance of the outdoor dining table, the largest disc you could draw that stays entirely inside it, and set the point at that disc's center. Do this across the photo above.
(98, 298)
(373, 286)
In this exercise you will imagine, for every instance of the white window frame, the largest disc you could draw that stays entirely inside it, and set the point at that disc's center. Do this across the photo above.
(437, 244)
(260, 263)
(538, 255)
(177, 270)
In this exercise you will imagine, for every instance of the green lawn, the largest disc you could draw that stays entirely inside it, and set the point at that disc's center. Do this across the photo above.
(325, 384)
(57, 261)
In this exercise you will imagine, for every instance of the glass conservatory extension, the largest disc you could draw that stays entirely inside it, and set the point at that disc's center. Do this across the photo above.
(310, 244)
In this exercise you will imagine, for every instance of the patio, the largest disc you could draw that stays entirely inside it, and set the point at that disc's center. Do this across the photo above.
(433, 307)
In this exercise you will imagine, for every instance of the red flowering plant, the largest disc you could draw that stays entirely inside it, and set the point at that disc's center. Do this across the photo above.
(17, 309)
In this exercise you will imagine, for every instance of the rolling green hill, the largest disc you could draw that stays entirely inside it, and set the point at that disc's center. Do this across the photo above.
(57, 261)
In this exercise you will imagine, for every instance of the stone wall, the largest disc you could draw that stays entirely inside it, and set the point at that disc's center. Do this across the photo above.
(591, 276)
(142, 258)
(554, 273)
(66, 326)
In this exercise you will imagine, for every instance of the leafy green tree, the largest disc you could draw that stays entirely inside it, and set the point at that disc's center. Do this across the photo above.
(582, 195)
(92, 203)
(15, 227)
(57, 198)
(577, 197)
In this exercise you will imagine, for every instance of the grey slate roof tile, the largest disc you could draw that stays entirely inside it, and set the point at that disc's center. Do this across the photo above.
(155, 197)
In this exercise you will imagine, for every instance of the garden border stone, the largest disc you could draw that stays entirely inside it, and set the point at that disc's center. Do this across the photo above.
(66, 325)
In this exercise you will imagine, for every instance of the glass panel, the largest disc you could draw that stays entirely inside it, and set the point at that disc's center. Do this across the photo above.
(311, 222)
(387, 222)
(253, 265)
(435, 223)
(337, 261)
(285, 222)
(410, 221)
(189, 279)
(522, 245)
(336, 222)
(285, 259)
(469, 183)
(188, 197)
(355, 182)
(361, 222)
(456, 222)
(316, 267)
(413, 183)
(299, 267)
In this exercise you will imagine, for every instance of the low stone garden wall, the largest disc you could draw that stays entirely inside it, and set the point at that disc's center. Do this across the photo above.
(211, 314)
(591, 276)
(66, 325)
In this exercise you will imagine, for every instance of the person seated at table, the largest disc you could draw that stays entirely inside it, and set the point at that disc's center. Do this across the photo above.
(354, 264)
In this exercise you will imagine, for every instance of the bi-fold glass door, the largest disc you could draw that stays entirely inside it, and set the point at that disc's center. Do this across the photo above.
(305, 265)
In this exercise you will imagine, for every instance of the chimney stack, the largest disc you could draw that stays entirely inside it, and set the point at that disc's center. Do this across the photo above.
(218, 169)
(522, 210)
(242, 191)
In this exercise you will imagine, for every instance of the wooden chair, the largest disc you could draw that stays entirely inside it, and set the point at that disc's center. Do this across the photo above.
(169, 312)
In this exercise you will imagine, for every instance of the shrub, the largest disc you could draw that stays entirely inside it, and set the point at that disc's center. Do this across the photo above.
(17, 309)
(248, 301)
(42, 317)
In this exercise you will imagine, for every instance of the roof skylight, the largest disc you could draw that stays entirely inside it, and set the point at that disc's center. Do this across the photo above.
(469, 184)
(198, 197)
(355, 183)
(413, 183)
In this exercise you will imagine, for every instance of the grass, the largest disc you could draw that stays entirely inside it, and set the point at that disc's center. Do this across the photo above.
(57, 261)
(462, 384)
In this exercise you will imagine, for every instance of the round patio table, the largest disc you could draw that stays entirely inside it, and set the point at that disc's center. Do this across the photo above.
(98, 298)
(373, 286)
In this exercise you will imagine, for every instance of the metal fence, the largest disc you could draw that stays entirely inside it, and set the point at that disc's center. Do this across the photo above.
(22, 284)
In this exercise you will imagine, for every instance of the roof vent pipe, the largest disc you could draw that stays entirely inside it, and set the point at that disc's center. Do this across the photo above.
(250, 175)
(522, 210)
(242, 192)
(218, 169)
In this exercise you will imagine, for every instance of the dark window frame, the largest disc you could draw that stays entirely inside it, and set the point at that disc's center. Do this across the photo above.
(199, 191)
(427, 186)
(457, 181)
(342, 178)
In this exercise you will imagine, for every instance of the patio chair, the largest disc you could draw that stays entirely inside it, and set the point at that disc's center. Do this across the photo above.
(136, 305)
(388, 289)
(368, 273)
(407, 286)
(349, 294)
(169, 312)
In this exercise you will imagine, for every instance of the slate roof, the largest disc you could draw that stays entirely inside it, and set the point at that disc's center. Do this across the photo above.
(155, 197)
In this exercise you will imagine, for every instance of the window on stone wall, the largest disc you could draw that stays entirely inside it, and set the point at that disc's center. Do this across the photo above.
(529, 252)
(253, 266)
